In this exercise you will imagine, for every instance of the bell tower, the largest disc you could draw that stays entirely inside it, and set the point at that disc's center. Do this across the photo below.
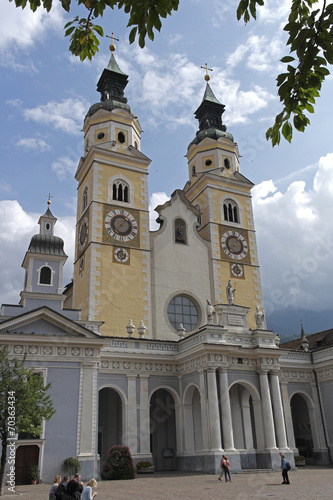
(223, 196)
(112, 262)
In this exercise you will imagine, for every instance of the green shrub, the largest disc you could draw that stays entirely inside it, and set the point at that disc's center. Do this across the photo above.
(299, 458)
(143, 464)
(119, 464)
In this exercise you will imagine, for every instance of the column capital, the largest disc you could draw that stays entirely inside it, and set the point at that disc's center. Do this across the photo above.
(144, 375)
(223, 369)
(211, 369)
(262, 371)
(275, 371)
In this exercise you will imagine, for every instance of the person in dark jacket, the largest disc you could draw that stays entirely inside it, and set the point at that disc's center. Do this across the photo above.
(61, 488)
(74, 488)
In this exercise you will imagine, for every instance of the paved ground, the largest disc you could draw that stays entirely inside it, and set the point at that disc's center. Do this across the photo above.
(308, 483)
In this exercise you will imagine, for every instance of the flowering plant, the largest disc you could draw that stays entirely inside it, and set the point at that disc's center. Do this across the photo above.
(119, 464)
(143, 464)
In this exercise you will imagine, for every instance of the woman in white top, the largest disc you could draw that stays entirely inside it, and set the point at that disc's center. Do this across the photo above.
(87, 493)
(56, 482)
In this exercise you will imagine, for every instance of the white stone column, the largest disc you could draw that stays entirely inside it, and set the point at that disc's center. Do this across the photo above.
(87, 418)
(144, 416)
(267, 413)
(227, 430)
(203, 404)
(288, 417)
(278, 411)
(213, 409)
(132, 422)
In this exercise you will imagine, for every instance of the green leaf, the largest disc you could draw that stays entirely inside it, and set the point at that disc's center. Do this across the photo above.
(287, 131)
(287, 59)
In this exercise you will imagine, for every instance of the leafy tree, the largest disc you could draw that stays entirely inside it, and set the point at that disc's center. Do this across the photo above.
(24, 402)
(310, 42)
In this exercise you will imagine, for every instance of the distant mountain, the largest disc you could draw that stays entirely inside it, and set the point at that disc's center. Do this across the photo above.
(286, 322)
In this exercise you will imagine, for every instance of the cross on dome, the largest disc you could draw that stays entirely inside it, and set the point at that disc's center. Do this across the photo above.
(207, 77)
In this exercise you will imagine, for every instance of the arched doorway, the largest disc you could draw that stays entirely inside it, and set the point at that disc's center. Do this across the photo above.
(302, 426)
(163, 430)
(110, 425)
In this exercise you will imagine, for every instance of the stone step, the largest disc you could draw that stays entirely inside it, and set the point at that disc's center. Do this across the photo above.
(254, 471)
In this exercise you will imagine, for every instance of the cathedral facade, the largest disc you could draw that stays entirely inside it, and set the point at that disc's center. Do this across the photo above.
(160, 343)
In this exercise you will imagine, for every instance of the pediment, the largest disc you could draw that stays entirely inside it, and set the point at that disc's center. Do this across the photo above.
(44, 322)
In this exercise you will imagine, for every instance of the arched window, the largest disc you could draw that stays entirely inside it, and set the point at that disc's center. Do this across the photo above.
(45, 275)
(120, 191)
(180, 231)
(85, 199)
(230, 211)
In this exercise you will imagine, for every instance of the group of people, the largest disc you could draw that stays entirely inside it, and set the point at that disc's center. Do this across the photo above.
(69, 489)
(225, 464)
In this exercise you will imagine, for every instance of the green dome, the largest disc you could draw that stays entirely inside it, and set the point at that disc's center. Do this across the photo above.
(109, 105)
(213, 133)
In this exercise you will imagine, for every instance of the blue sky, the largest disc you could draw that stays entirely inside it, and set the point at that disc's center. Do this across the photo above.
(45, 93)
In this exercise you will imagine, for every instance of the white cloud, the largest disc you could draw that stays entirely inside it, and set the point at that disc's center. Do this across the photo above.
(64, 168)
(154, 80)
(295, 240)
(16, 230)
(260, 53)
(22, 29)
(33, 143)
(156, 199)
(274, 10)
(66, 115)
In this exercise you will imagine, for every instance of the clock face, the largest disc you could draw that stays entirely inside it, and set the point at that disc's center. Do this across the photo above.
(121, 225)
(234, 245)
(237, 270)
(83, 233)
(121, 255)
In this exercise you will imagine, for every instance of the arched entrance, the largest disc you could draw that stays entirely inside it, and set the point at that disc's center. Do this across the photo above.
(26, 456)
(302, 426)
(193, 427)
(110, 425)
(163, 430)
(247, 422)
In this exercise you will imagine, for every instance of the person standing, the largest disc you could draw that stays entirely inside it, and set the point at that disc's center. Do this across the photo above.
(87, 493)
(55, 484)
(226, 469)
(285, 468)
(222, 465)
(75, 487)
(59, 492)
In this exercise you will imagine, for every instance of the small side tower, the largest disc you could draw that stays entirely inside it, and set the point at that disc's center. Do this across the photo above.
(43, 264)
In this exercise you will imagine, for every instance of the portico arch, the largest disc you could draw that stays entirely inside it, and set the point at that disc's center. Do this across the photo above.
(246, 414)
(165, 439)
(193, 420)
(112, 411)
(304, 424)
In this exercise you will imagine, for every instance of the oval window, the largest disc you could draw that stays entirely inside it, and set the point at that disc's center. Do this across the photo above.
(208, 163)
(227, 163)
(100, 136)
(121, 137)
